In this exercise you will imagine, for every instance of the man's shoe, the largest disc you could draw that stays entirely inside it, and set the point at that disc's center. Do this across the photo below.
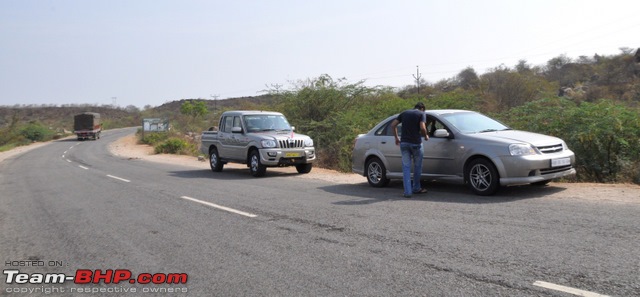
(421, 191)
(407, 196)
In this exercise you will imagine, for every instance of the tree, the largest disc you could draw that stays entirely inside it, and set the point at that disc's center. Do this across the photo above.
(523, 68)
(554, 66)
(194, 109)
(468, 79)
(132, 109)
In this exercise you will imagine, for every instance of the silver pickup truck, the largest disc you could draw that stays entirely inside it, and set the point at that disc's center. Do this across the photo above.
(259, 139)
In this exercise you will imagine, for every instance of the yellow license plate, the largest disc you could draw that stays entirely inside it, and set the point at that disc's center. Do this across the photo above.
(292, 155)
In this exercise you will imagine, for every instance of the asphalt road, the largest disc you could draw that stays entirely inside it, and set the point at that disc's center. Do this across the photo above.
(71, 205)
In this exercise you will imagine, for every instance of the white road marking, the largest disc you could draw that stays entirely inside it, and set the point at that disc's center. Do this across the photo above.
(246, 214)
(569, 290)
(83, 167)
(119, 178)
(68, 160)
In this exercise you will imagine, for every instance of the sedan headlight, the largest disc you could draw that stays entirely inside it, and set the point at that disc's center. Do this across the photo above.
(521, 149)
(268, 143)
(308, 142)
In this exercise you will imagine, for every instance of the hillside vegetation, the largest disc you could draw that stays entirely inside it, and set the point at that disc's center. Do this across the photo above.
(593, 103)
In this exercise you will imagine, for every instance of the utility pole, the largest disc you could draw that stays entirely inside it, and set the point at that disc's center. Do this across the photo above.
(277, 87)
(417, 78)
(215, 100)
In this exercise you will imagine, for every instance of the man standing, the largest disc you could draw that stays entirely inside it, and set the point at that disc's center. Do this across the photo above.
(413, 127)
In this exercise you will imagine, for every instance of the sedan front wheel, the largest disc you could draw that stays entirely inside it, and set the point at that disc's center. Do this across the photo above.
(482, 177)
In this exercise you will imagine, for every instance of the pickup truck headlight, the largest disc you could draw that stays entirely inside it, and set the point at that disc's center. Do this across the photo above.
(521, 149)
(308, 142)
(268, 143)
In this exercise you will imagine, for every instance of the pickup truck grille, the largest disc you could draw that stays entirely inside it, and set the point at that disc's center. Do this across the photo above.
(291, 143)
(549, 149)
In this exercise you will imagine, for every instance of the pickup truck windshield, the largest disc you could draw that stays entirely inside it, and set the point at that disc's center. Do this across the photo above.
(260, 122)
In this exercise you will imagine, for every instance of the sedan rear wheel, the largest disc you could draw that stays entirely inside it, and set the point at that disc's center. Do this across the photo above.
(482, 177)
(376, 173)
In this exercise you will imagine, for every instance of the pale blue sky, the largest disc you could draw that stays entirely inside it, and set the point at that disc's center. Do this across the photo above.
(154, 51)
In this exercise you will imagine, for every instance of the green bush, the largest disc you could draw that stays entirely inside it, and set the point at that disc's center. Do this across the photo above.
(36, 132)
(175, 145)
(153, 138)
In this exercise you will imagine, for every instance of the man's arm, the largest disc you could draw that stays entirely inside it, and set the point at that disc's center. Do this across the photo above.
(394, 127)
(423, 130)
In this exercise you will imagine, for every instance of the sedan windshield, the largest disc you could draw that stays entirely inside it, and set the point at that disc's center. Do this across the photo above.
(471, 122)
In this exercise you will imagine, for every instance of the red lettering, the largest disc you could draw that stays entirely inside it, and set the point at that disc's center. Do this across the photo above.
(159, 278)
(83, 276)
(144, 278)
(177, 278)
(97, 276)
(121, 275)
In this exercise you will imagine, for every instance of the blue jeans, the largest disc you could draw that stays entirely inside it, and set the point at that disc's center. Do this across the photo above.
(411, 155)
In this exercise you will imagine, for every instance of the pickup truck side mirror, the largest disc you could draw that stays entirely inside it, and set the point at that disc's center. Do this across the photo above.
(236, 130)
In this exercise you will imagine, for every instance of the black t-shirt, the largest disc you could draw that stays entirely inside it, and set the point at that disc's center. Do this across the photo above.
(410, 120)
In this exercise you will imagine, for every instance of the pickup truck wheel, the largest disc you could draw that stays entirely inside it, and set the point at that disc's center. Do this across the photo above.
(304, 168)
(255, 166)
(482, 177)
(376, 173)
(214, 160)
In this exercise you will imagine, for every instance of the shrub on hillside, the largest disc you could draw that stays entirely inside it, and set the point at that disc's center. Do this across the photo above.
(175, 145)
(153, 138)
(36, 132)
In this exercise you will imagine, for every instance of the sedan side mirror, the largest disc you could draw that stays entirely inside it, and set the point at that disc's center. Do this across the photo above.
(441, 133)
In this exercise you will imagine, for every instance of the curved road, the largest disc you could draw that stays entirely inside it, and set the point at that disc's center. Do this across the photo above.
(72, 206)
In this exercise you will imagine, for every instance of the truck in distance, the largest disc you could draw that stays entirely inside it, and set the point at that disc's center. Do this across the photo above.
(87, 125)
(259, 139)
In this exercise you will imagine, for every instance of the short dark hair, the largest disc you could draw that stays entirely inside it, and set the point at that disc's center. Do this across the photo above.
(419, 105)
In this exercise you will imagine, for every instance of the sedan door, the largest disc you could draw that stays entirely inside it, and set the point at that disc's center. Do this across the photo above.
(385, 142)
(440, 154)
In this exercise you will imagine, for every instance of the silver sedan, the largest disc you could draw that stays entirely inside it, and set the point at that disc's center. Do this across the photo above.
(466, 147)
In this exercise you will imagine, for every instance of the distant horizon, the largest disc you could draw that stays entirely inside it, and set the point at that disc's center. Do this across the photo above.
(150, 53)
(259, 95)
